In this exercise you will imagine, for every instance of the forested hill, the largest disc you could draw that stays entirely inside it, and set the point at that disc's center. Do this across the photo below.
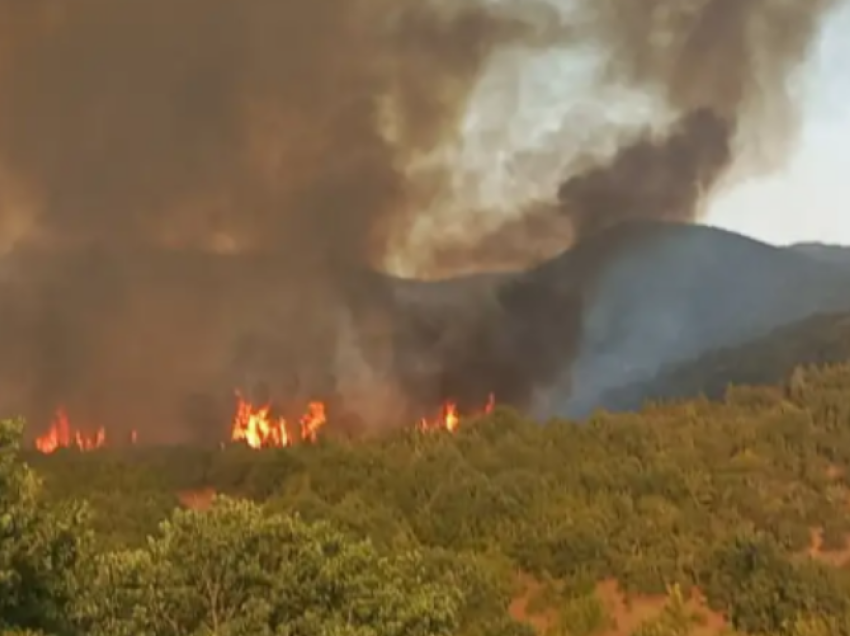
(822, 339)
(731, 513)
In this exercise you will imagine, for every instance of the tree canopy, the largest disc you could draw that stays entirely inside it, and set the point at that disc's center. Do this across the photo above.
(500, 528)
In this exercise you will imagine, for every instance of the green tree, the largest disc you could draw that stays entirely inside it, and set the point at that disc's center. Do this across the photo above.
(762, 591)
(237, 570)
(41, 547)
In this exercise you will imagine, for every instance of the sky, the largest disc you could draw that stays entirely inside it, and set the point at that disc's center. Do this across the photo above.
(523, 131)
(809, 199)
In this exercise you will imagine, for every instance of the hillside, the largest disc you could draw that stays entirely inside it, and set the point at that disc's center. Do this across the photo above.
(655, 294)
(680, 519)
(610, 312)
(823, 339)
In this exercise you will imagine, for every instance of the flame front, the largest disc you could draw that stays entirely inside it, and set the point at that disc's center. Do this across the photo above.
(62, 435)
(256, 427)
(312, 421)
(449, 418)
(252, 425)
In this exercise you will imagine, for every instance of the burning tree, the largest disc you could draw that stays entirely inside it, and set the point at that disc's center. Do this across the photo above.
(62, 435)
(258, 427)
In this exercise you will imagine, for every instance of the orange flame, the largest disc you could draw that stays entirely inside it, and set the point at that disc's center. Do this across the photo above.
(61, 435)
(449, 418)
(255, 426)
(313, 420)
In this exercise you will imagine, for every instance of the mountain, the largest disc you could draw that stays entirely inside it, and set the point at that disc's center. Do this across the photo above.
(657, 294)
(837, 254)
(612, 312)
(823, 339)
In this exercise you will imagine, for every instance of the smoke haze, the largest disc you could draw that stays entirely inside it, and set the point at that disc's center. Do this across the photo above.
(192, 192)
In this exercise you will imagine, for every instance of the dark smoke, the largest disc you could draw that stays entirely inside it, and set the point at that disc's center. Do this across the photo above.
(725, 72)
(152, 133)
(231, 126)
(653, 179)
(194, 190)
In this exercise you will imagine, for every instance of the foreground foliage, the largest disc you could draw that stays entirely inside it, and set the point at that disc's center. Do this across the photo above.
(40, 546)
(423, 533)
(233, 570)
(238, 571)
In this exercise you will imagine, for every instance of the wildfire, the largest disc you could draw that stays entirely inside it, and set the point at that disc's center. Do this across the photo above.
(313, 420)
(449, 417)
(254, 426)
(61, 435)
(259, 429)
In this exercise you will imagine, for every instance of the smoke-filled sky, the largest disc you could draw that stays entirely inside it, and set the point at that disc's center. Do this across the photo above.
(809, 200)
(802, 196)
(315, 140)
(198, 125)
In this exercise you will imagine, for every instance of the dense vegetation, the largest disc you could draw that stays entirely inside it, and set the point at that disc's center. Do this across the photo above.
(437, 533)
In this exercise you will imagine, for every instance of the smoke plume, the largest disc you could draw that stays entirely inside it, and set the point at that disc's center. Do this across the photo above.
(723, 75)
(193, 191)
(736, 63)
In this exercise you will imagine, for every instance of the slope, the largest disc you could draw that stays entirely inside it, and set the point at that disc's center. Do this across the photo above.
(823, 339)
(656, 294)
